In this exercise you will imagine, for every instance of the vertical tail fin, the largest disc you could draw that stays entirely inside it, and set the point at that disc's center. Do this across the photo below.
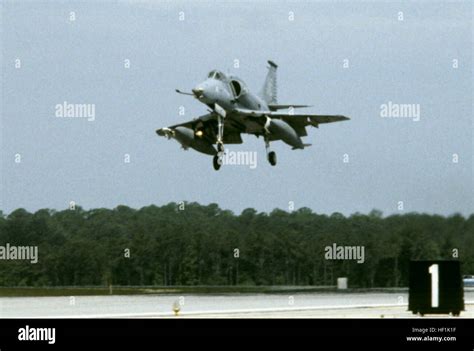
(269, 89)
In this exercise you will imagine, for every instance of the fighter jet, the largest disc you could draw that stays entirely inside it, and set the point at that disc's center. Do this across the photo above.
(233, 109)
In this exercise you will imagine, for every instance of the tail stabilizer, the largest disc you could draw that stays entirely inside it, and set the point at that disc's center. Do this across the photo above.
(269, 89)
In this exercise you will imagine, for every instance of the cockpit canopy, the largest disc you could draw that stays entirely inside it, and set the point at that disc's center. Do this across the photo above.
(238, 86)
(215, 74)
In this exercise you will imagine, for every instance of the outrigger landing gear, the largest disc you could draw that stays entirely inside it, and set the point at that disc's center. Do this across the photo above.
(271, 155)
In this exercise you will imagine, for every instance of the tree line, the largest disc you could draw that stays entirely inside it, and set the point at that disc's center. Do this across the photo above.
(193, 244)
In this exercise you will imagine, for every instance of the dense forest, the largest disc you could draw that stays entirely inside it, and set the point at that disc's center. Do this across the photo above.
(192, 244)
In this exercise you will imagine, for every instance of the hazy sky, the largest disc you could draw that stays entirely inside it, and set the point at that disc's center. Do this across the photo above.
(82, 61)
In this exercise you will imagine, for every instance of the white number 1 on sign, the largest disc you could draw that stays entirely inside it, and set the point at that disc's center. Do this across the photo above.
(434, 272)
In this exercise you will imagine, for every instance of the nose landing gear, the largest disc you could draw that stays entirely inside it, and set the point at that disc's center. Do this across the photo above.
(217, 161)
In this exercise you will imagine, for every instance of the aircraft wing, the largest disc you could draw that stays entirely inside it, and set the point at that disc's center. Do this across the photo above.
(274, 107)
(190, 124)
(305, 118)
(297, 121)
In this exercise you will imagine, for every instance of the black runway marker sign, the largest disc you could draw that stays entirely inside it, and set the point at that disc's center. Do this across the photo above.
(435, 287)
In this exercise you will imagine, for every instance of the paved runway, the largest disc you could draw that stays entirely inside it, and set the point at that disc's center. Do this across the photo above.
(298, 305)
(343, 312)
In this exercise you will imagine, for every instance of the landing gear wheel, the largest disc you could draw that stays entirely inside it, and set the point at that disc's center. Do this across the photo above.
(216, 162)
(272, 158)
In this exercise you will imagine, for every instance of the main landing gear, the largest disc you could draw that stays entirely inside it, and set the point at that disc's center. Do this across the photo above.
(271, 155)
(217, 159)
